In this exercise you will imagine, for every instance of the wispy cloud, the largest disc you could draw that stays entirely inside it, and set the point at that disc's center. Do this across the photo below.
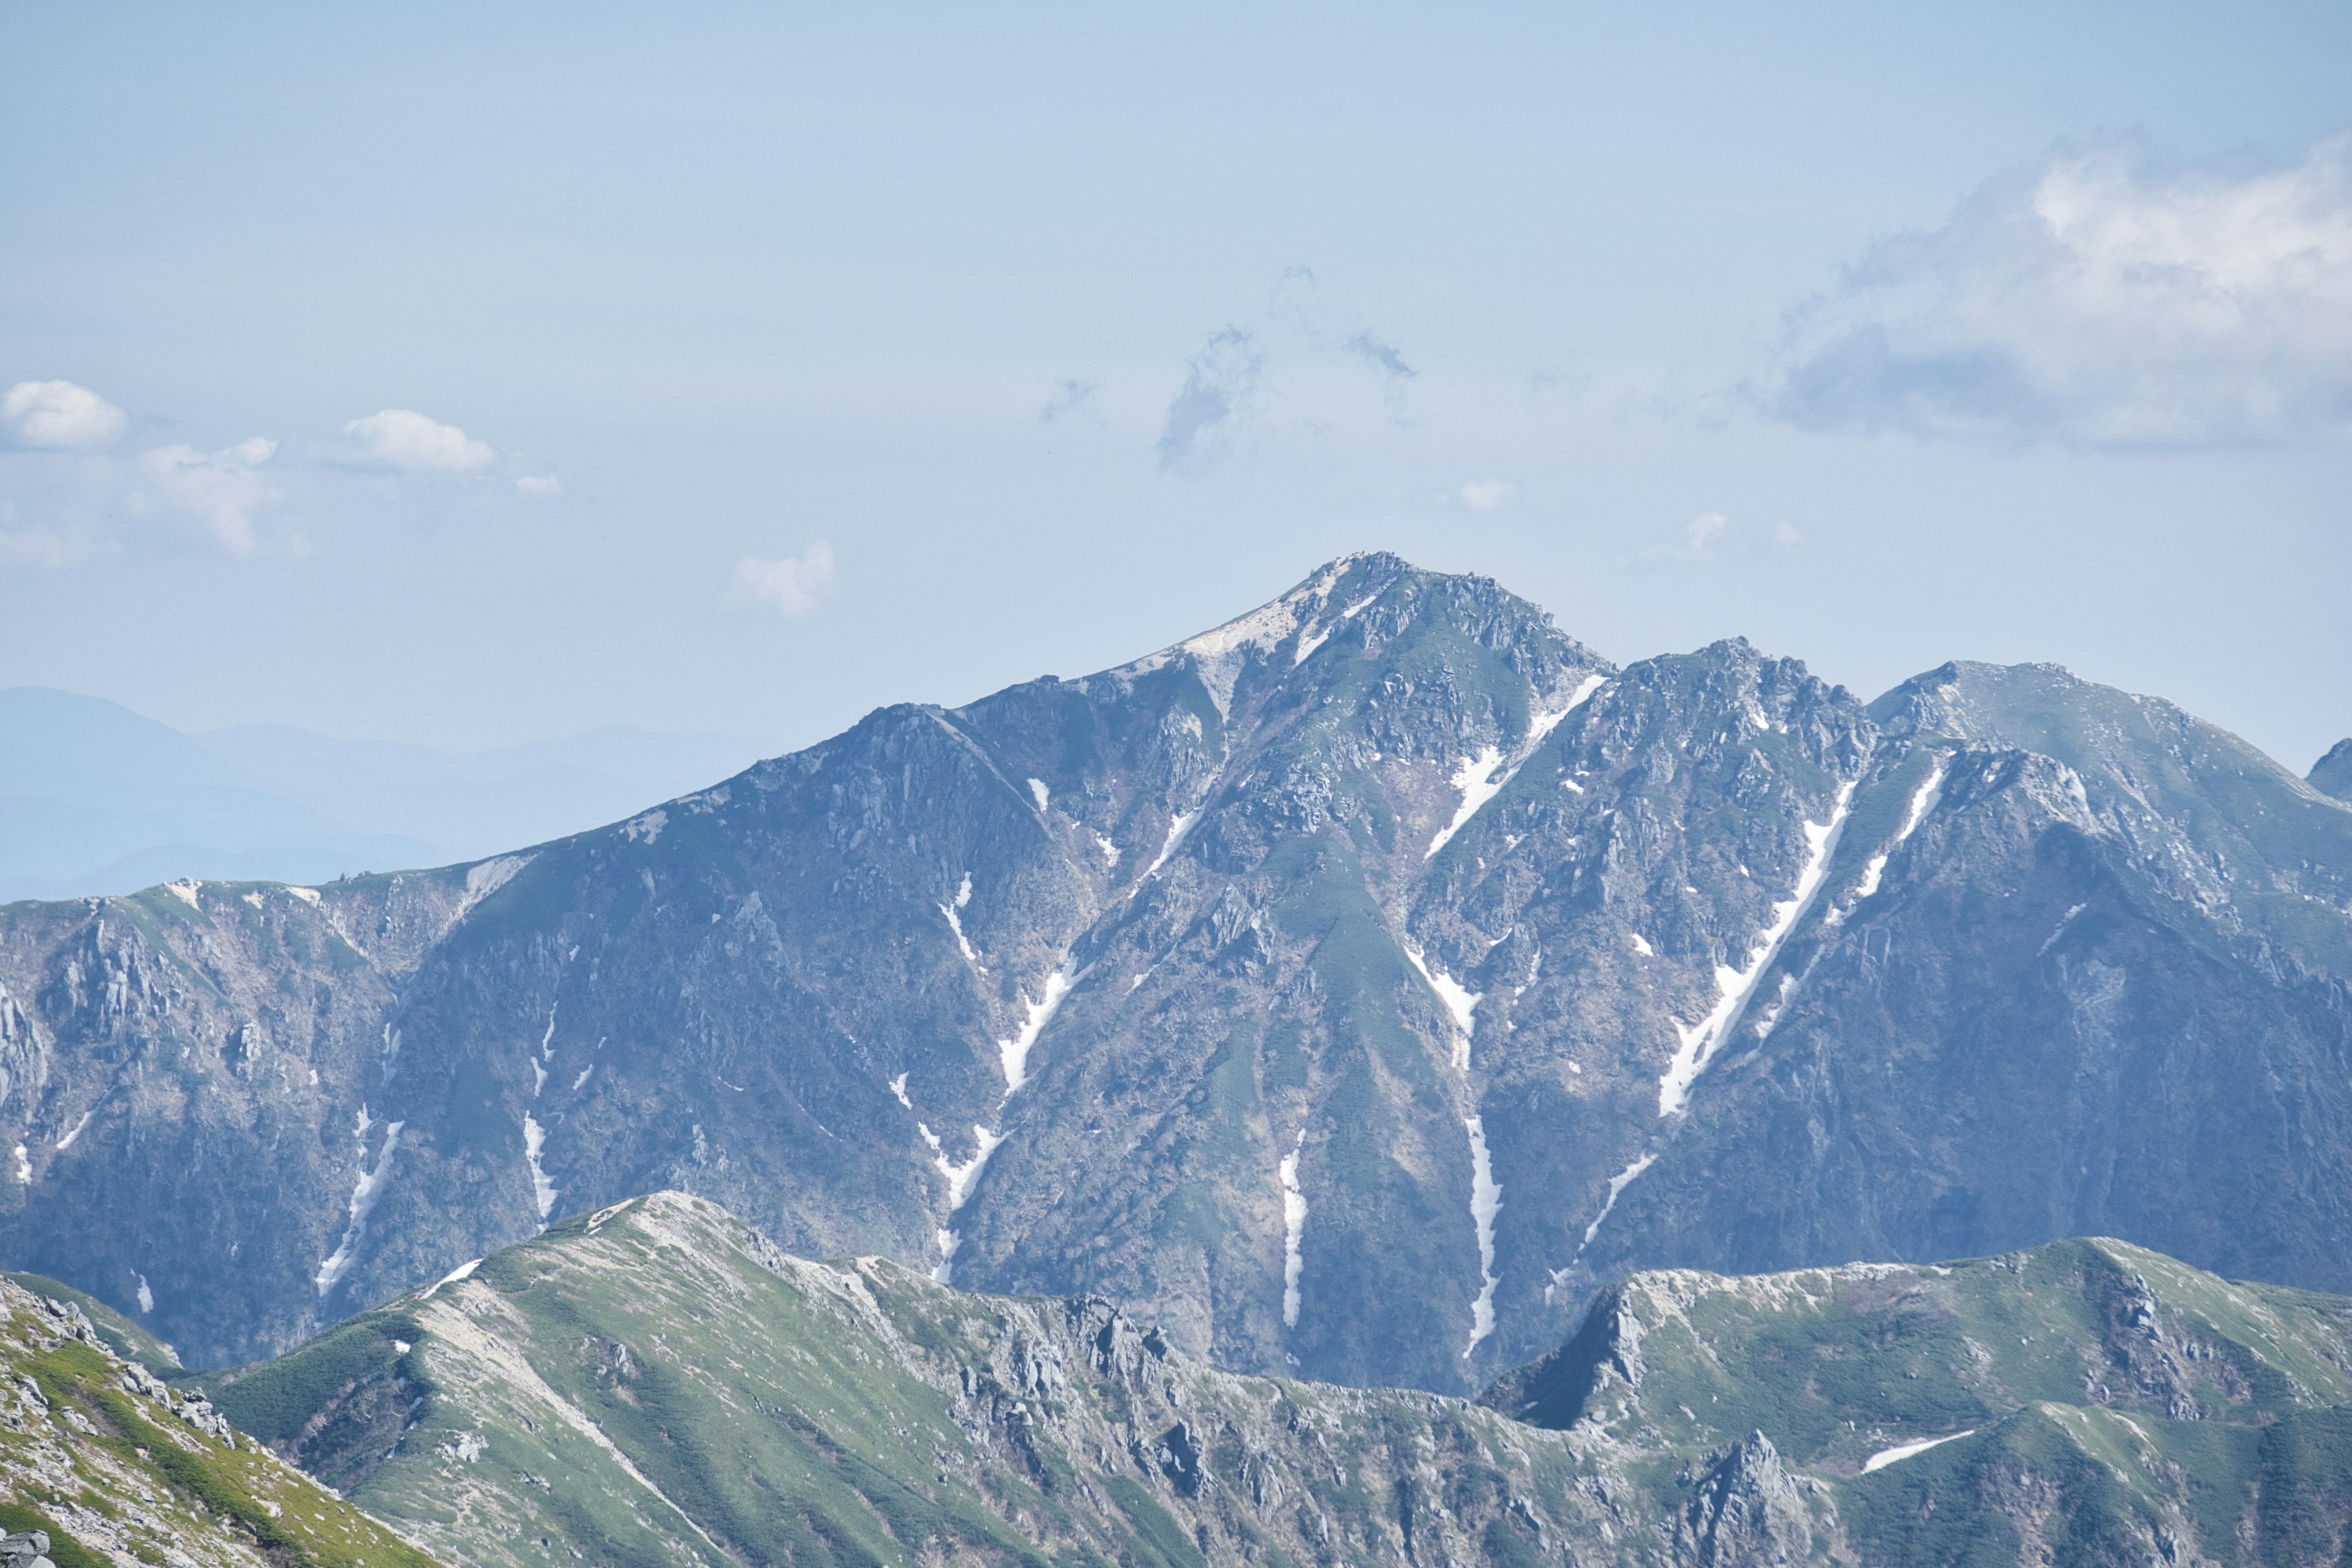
(223, 489)
(1285, 370)
(1381, 356)
(1071, 397)
(403, 438)
(58, 416)
(1486, 495)
(540, 485)
(1220, 386)
(2093, 300)
(787, 585)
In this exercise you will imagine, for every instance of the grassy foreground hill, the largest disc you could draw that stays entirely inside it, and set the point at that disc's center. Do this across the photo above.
(118, 1468)
(657, 1384)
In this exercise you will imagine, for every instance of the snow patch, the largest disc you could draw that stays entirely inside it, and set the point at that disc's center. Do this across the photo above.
(2060, 929)
(1700, 1042)
(1486, 1200)
(1641, 945)
(581, 1081)
(542, 1190)
(1460, 1001)
(1294, 1227)
(645, 827)
(1015, 1051)
(955, 923)
(1037, 788)
(1476, 778)
(365, 1193)
(463, 1271)
(962, 1178)
(24, 1167)
(1886, 1457)
(1308, 642)
(185, 890)
(1477, 781)
(1571, 783)
(1922, 801)
(899, 1088)
(481, 881)
(1361, 606)
(1617, 1185)
(311, 895)
(73, 1133)
(1110, 852)
(1176, 831)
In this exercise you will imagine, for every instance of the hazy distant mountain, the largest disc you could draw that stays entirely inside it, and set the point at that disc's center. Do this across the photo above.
(1360, 987)
(95, 799)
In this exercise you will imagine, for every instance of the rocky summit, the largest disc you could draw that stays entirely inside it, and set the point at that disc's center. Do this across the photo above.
(1354, 991)
(654, 1383)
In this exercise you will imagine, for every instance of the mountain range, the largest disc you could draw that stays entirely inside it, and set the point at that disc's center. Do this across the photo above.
(95, 799)
(1356, 992)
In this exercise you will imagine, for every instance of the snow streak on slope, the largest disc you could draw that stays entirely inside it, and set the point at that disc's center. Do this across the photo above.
(1294, 1227)
(1886, 1457)
(1922, 802)
(363, 1197)
(1486, 1200)
(961, 1179)
(1015, 1051)
(1700, 1041)
(955, 922)
(542, 1190)
(1037, 788)
(1176, 831)
(1460, 1001)
(1477, 779)
(1617, 1185)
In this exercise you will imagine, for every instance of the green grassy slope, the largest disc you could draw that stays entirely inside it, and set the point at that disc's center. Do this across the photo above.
(117, 1467)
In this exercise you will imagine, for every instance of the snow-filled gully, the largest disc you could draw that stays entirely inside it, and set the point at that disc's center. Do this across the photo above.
(1294, 1227)
(365, 1193)
(1477, 778)
(1701, 1041)
(1485, 1201)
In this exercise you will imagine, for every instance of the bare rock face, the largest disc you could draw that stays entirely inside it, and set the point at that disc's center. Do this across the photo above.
(1747, 1513)
(1355, 989)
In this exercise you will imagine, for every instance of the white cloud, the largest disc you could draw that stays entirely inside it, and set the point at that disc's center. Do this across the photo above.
(2092, 301)
(403, 438)
(222, 487)
(788, 586)
(1698, 537)
(540, 485)
(1786, 536)
(58, 414)
(1487, 495)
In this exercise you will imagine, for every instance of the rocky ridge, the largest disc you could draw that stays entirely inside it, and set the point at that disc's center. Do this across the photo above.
(656, 1382)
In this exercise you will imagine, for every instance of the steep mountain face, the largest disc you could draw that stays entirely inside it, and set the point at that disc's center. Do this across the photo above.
(654, 1383)
(102, 1463)
(2332, 774)
(1356, 988)
(2082, 969)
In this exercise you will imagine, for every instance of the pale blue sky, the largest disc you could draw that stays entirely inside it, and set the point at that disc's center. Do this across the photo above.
(2021, 333)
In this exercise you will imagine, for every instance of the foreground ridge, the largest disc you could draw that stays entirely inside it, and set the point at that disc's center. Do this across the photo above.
(657, 1383)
